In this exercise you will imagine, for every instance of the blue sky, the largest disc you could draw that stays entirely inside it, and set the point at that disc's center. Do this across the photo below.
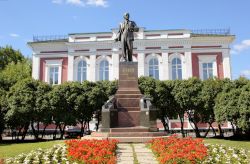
(21, 19)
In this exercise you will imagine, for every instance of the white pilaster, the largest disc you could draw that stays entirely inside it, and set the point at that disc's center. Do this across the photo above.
(141, 64)
(165, 71)
(226, 63)
(188, 65)
(35, 67)
(70, 67)
(92, 68)
(115, 64)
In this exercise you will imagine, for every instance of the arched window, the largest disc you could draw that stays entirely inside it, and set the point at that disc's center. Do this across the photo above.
(82, 71)
(176, 69)
(104, 70)
(153, 68)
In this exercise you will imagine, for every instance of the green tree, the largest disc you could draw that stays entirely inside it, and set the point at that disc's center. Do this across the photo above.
(8, 55)
(21, 101)
(210, 89)
(3, 110)
(187, 95)
(226, 107)
(27, 105)
(147, 85)
(164, 102)
(42, 111)
(61, 98)
(15, 72)
(243, 121)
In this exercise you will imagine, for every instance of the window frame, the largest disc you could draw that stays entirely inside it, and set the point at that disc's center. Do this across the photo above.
(104, 73)
(154, 67)
(53, 63)
(207, 59)
(81, 71)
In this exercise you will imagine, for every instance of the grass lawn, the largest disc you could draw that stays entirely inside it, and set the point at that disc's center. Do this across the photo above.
(230, 143)
(11, 150)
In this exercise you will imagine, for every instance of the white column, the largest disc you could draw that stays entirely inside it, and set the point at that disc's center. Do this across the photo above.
(141, 64)
(92, 68)
(36, 67)
(226, 63)
(165, 65)
(115, 64)
(188, 65)
(70, 67)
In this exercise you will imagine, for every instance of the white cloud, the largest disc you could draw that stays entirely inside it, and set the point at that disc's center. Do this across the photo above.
(101, 3)
(245, 73)
(76, 2)
(14, 35)
(57, 1)
(82, 3)
(237, 48)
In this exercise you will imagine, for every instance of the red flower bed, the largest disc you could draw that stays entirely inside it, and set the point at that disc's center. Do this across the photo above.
(92, 151)
(178, 150)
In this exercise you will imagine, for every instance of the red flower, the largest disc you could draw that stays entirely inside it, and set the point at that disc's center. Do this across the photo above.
(92, 151)
(178, 150)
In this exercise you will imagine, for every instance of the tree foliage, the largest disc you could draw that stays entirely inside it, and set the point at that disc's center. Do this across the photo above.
(26, 101)
(9, 55)
(15, 72)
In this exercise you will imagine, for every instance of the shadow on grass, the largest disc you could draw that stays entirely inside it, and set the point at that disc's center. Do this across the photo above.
(234, 138)
(9, 142)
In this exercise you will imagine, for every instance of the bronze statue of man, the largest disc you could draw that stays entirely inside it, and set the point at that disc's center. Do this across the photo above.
(126, 36)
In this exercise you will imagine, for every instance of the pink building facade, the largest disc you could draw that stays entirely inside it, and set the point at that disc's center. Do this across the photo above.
(162, 54)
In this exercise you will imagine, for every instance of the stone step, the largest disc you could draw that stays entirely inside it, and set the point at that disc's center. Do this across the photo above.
(118, 96)
(128, 91)
(137, 134)
(135, 139)
(125, 109)
(130, 129)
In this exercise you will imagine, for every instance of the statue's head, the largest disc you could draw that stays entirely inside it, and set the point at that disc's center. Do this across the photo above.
(126, 16)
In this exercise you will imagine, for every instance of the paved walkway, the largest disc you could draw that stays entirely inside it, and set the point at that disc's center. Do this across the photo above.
(134, 153)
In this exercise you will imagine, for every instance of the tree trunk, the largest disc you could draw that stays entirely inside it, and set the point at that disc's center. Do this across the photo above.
(38, 130)
(98, 121)
(233, 127)
(165, 124)
(62, 129)
(181, 116)
(205, 135)
(81, 128)
(34, 131)
(54, 134)
(19, 132)
(196, 129)
(44, 130)
(220, 131)
(212, 129)
(26, 127)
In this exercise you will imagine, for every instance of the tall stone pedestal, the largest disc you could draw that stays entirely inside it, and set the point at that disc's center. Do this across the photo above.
(128, 95)
(128, 116)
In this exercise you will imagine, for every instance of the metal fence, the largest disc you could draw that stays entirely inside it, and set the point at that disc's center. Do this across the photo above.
(195, 32)
(49, 38)
(212, 31)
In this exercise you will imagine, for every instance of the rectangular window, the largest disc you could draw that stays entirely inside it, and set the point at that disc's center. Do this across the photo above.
(207, 70)
(53, 75)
